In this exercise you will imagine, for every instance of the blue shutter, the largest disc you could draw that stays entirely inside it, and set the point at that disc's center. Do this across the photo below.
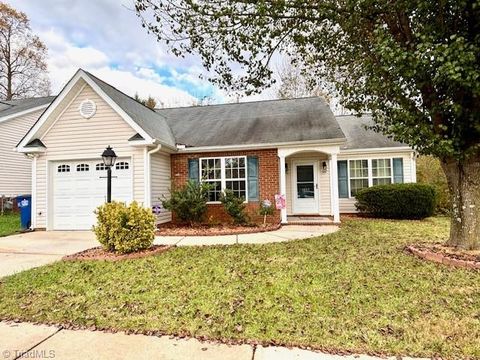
(342, 178)
(193, 170)
(252, 172)
(398, 170)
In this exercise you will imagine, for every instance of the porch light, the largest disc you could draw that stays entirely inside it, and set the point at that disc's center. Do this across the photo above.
(324, 166)
(109, 158)
(286, 168)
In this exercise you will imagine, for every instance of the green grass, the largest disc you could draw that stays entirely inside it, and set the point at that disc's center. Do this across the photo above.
(9, 224)
(355, 290)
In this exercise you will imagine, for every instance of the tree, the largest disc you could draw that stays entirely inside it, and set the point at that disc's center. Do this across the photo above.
(149, 102)
(23, 67)
(415, 64)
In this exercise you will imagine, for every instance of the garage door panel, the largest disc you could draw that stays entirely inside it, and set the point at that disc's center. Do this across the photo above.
(79, 187)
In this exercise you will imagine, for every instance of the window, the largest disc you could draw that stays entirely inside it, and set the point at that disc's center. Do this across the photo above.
(224, 173)
(100, 167)
(381, 171)
(211, 172)
(122, 165)
(83, 167)
(63, 168)
(235, 176)
(358, 172)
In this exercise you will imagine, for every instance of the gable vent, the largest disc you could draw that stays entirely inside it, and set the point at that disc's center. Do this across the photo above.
(87, 108)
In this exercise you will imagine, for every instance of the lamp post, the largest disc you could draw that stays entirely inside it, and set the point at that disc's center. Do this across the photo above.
(109, 158)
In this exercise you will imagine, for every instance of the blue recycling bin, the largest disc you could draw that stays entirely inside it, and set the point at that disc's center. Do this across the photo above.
(24, 203)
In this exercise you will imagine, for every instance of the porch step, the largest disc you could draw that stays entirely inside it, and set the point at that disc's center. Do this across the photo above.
(310, 220)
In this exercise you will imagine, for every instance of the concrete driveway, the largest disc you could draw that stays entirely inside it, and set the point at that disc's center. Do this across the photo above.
(28, 250)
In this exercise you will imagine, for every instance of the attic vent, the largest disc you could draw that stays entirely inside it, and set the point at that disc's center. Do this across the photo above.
(87, 108)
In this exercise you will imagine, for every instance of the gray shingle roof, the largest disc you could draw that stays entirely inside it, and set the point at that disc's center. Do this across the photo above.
(150, 121)
(358, 137)
(261, 122)
(11, 107)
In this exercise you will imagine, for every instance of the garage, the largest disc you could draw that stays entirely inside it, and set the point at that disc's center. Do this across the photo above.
(80, 186)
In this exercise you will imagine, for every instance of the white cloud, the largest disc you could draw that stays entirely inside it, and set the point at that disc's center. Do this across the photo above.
(65, 59)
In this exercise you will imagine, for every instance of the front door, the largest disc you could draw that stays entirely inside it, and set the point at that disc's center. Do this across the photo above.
(305, 188)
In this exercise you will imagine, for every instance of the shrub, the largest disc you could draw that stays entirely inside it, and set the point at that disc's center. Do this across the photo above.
(397, 201)
(266, 208)
(124, 229)
(429, 171)
(234, 206)
(188, 203)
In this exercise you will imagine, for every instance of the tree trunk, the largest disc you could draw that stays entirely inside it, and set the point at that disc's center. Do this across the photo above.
(464, 182)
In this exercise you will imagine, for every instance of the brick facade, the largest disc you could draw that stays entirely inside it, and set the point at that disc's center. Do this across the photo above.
(268, 181)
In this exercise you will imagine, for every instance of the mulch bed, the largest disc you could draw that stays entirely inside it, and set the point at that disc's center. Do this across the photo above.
(212, 230)
(98, 253)
(442, 254)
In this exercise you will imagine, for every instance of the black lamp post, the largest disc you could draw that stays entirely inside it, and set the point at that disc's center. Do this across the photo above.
(109, 158)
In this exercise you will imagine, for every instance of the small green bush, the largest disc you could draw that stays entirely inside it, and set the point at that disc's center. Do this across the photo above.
(234, 206)
(429, 171)
(397, 201)
(124, 229)
(188, 203)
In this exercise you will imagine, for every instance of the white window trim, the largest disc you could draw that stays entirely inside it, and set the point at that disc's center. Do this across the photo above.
(370, 172)
(223, 180)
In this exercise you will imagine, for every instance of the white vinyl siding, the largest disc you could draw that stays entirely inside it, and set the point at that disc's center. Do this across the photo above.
(160, 183)
(347, 205)
(15, 167)
(72, 137)
(323, 179)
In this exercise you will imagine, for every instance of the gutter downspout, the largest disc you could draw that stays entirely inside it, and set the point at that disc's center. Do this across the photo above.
(148, 175)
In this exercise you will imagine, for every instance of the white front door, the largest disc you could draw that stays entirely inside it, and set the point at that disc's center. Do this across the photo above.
(80, 186)
(305, 188)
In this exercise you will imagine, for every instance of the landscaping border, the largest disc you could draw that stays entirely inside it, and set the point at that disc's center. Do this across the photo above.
(226, 231)
(105, 256)
(442, 258)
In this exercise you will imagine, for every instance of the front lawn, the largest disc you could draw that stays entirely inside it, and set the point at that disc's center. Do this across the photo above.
(9, 224)
(353, 290)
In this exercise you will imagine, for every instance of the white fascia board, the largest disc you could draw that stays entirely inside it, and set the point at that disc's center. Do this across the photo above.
(22, 113)
(377, 150)
(195, 149)
(31, 150)
(80, 74)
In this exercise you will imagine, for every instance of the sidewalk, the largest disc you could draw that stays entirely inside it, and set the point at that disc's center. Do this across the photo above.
(285, 233)
(28, 341)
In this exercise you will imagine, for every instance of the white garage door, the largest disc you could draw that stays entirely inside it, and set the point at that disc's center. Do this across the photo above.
(79, 187)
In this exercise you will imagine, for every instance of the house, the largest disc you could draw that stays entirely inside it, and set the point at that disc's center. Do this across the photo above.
(296, 148)
(16, 118)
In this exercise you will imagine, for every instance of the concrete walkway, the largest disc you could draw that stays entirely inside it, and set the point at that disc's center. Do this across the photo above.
(285, 233)
(23, 340)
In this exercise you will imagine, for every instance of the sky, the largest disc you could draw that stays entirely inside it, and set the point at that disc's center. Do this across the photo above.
(106, 38)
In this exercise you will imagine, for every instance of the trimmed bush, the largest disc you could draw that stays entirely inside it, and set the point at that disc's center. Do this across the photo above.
(124, 229)
(234, 206)
(397, 201)
(189, 202)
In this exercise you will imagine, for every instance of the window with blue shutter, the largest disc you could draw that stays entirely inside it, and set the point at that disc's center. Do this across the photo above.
(398, 170)
(193, 170)
(342, 178)
(252, 173)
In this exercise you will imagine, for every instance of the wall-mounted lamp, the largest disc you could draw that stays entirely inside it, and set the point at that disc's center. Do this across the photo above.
(286, 168)
(324, 166)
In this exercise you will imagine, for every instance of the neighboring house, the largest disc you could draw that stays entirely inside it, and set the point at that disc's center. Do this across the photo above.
(16, 118)
(259, 149)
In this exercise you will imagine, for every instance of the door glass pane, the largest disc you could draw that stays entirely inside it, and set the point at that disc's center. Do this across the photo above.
(305, 182)
(305, 173)
(305, 191)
